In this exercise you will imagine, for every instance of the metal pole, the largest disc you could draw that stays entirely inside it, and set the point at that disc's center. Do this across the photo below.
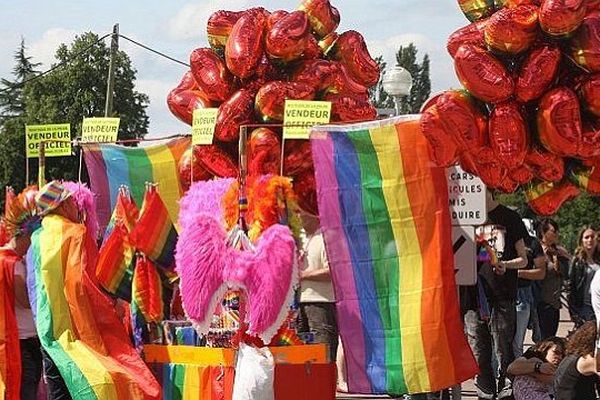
(26, 170)
(114, 48)
(397, 104)
(42, 165)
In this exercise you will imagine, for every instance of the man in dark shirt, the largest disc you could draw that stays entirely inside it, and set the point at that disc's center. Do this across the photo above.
(496, 291)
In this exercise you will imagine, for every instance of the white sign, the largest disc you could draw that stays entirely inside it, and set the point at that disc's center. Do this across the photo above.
(465, 249)
(466, 196)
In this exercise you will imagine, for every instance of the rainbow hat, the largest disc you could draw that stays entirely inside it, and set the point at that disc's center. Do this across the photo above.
(50, 196)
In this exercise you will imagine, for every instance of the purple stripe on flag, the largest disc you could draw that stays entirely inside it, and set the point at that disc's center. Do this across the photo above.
(347, 300)
(96, 168)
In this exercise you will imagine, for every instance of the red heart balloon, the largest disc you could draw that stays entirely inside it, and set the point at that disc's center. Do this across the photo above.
(312, 50)
(219, 26)
(237, 111)
(463, 120)
(305, 188)
(521, 175)
(546, 198)
(559, 122)
(590, 94)
(585, 45)
(275, 17)
(537, 73)
(323, 17)
(346, 108)
(317, 73)
(514, 3)
(443, 148)
(327, 43)
(493, 175)
(245, 44)
(544, 165)
(508, 134)
(214, 160)
(185, 168)
(476, 10)
(482, 74)
(590, 144)
(508, 185)
(264, 152)
(593, 5)
(211, 74)
(561, 17)
(512, 30)
(298, 157)
(470, 34)
(183, 103)
(288, 37)
(270, 99)
(187, 83)
(351, 50)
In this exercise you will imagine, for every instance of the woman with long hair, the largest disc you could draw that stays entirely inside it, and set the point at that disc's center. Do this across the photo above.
(548, 290)
(534, 371)
(576, 376)
(583, 267)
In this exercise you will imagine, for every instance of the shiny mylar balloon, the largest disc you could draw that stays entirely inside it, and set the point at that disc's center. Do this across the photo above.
(590, 144)
(508, 134)
(219, 27)
(521, 175)
(475, 10)
(351, 50)
(304, 186)
(559, 122)
(298, 157)
(236, 111)
(512, 30)
(561, 17)
(264, 152)
(185, 168)
(183, 103)
(593, 5)
(590, 94)
(312, 50)
(346, 108)
(245, 44)
(443, 148)
(537, 73)
(211, 74)
(508, 184)
(546, 198)
(270, 99)
(317, 73)
(545, 165)
(462, 119)
(585, 45)
(327, 42)
(324, 18)
(214, 160)
(275, 17)
(288, 37)
(482, 74)
(514, 3)
(470, 34)
(492, 174)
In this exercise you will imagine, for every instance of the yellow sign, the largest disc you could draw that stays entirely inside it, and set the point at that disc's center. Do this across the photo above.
(302, 115)
(57, 139)
(203, 125)
(102, 130)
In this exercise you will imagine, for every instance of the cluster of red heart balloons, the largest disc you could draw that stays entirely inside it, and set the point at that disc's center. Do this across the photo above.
(530, 114)
(257, 59)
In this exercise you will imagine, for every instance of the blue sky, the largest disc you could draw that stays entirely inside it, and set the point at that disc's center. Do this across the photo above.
(177, 27)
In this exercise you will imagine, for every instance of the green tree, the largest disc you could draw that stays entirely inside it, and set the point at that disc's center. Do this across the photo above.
(12, 122)
(77, 90)
(379, 98)
(406, 57)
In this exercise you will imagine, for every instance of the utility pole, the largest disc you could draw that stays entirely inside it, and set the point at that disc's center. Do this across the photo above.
(110, 85)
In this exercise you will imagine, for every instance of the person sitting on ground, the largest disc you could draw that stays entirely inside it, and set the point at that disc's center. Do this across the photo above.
(576, 376)
(534, 371)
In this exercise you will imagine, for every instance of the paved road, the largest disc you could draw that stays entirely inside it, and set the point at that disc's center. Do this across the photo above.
(468, 389)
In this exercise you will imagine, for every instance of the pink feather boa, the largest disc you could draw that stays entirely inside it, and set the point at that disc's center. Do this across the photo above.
(203, 196)
(208, 266)
(86, 203)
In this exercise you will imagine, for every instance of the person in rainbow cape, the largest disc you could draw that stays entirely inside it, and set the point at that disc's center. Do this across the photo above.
(87, 352)
(20, 357)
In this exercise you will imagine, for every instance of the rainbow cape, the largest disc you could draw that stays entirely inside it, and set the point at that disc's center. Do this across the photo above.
(77, 324)
(110, 166)
(386, 224)
(114, 268)
(10, 354)
(154, 234)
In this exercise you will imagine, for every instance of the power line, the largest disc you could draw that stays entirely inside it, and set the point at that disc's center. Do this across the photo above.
(82, 52)
(155, 51)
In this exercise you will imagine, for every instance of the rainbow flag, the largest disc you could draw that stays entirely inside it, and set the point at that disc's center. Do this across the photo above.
(148, 293)
(386, 224)
(114, 268)
(194, 382)
(154, 234)
(110, 166)
(76, 323)
(10, 354)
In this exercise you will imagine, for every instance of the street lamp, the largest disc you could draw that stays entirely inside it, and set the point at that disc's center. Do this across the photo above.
(397, 83)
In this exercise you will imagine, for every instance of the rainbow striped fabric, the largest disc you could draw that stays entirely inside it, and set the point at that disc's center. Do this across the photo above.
(76, 323)
(10, 354)
(154, 234)
(194, 382)
(110, 166)
(386, 224)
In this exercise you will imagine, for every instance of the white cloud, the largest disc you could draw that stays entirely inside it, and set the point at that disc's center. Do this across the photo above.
(43, 50)
(190, 21)
(162, 122)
